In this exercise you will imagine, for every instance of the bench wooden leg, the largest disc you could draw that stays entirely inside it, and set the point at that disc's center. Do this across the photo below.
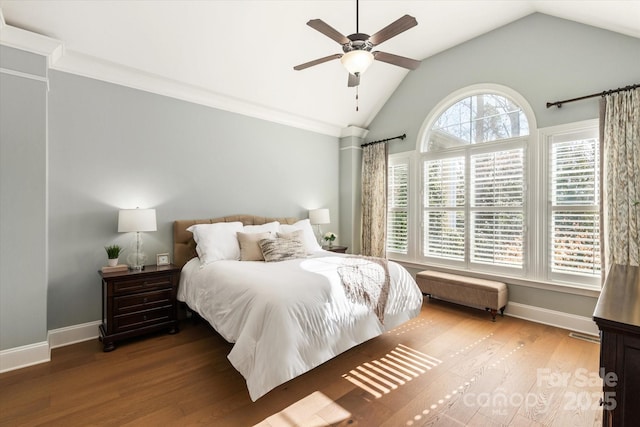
(502, 311)
(493, 313)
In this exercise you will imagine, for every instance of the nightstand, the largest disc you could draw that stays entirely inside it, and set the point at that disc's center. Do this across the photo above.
(138, 302)
(337, 249)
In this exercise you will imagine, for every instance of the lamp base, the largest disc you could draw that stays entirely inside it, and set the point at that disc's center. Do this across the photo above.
(136, 267)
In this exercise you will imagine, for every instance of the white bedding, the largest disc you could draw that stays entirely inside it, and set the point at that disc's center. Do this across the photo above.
(288, 317)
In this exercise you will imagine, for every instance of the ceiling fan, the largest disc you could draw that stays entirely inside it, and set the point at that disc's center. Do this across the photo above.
(357, 47)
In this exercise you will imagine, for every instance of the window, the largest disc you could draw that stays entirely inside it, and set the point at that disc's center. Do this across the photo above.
(444, 225)
(492, 198)
(574, 208)
(497, 208)
(473, 183)
(398, 206)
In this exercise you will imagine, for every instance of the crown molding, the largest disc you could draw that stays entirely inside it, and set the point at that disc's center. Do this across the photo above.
(353, 131)
(61, 59)
(87, 66)
(31, 42)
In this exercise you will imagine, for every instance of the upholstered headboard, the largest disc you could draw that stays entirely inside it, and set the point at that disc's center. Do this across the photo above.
(184, 247)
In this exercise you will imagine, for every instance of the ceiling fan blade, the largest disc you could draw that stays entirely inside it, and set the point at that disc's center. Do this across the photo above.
(317, 61)
(400, 61)
(393, 29)
(354, 80)
(327, 30)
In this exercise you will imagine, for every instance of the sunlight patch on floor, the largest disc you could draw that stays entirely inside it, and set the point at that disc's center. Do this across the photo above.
(470, 346)
(315, 410)
(409, 326)
(462, 388)
(383, 375)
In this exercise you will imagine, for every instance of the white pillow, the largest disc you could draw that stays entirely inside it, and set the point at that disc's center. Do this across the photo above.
(216, 241)
(271, 227)
(310, 243)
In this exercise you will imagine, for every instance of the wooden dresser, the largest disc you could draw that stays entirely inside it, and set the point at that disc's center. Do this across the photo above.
(617, 315)
(138, 302)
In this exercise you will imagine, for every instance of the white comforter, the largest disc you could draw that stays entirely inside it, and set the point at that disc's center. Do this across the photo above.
(288, 317)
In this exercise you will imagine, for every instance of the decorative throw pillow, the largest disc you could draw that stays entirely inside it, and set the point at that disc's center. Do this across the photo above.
(297, 235)
(249, 247)
(216, 241)
(310, 241)
(280, 249)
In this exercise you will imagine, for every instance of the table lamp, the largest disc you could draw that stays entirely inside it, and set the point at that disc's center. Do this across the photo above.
(319, 217)
(137, 220)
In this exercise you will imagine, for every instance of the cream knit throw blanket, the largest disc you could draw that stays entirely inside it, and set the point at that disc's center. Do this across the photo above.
(366, 281)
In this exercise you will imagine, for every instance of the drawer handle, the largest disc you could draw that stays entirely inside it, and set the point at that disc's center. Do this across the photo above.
(145, 300)
(144, 317)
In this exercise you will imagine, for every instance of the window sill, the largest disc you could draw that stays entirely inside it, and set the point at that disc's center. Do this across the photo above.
(565, 288)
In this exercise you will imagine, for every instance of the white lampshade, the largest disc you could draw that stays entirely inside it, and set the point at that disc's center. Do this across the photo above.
(137, 220)
(357, 61)
(319, 216)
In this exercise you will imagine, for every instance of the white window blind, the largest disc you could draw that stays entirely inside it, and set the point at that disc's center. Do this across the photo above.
(444, 199)
(497, 208)
(574, 194)
(398, 208)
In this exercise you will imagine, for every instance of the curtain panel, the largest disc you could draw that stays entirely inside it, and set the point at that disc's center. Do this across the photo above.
(374, 200)
(620, 130)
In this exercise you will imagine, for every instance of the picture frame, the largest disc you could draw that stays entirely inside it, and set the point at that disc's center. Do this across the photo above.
(163, 259)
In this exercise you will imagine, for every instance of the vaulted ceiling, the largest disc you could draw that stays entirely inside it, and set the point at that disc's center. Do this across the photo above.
(239, 55)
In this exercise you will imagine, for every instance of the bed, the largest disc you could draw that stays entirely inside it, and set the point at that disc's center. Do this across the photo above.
(286, 317)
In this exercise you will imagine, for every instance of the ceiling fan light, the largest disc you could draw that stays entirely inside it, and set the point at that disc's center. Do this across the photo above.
(357, 61)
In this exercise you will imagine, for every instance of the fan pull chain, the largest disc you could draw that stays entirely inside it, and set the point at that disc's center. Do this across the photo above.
(357, 98)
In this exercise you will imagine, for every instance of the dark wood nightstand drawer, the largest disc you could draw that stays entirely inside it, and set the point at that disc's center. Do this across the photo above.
(141, 319)
(141, 301)
(138, 302)
(138, 284)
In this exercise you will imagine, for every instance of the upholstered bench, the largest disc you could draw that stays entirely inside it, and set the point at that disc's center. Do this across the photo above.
(464, 290)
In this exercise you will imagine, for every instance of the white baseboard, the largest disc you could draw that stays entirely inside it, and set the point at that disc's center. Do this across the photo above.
(572, 322)
(33, 354)
(23, 356)
(73, 334)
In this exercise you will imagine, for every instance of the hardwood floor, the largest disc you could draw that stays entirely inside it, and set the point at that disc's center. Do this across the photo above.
(451, 366)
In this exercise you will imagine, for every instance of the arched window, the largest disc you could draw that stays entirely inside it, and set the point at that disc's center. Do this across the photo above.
(473, 172)
(476, 119)
(489, 193)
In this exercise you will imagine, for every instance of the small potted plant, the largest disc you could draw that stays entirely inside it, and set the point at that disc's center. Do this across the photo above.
(113, 252)
(330, 237)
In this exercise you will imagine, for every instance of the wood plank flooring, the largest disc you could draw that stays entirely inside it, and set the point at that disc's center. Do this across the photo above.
(451, 366)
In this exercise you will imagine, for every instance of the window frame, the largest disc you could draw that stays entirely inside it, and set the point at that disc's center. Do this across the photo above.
(545, 140)
(468, 151)
(407, 158)
(535, 272)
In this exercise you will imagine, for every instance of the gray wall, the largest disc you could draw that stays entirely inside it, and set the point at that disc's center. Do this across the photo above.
(541, 57)
(113, 147)
(23, 199)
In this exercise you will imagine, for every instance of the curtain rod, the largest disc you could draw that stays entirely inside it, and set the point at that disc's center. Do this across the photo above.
(593, 95)
(403, 136)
